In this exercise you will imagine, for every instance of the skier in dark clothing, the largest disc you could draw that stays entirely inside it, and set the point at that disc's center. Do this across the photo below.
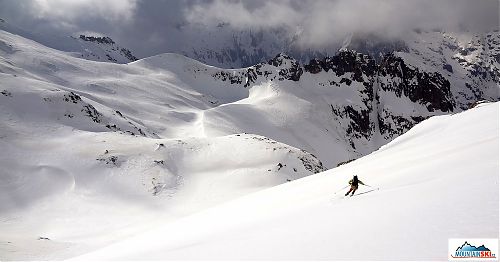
(354, 182)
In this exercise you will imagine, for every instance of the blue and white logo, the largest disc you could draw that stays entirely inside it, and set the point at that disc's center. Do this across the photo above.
(473, 249)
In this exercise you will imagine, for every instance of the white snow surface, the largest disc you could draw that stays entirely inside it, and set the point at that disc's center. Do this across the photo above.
(437, 181)
(74, 45)
(92, 153)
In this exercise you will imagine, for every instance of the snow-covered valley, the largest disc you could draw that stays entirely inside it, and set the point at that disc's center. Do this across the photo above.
(69, 154)
(437, 181)
(179, 159)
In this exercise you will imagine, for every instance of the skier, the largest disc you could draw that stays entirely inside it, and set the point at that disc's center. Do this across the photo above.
(354, 182)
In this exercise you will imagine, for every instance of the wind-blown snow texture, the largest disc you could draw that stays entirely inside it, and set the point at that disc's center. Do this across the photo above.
(93, 152)
(437, 181)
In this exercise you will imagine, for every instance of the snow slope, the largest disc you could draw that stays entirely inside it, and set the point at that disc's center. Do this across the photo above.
(437, 181)
(95, 48)
(94, 152)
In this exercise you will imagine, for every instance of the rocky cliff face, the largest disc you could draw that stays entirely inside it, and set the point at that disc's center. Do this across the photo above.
(395, 92)
(103, 48)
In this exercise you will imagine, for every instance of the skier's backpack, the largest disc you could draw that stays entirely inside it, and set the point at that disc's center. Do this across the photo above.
(355, 181)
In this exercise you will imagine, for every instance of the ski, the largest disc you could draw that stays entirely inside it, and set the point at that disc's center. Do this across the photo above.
(369, 191)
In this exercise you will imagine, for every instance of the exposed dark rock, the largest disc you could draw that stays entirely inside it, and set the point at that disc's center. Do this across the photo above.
(368, 76)
(72, 97)
(111, 59)
(293, 72)
(448, 68)
(111, 160)
(346, 81)
(476, 103)
(6, 93)
(128, 54)
(311, 163)
(429, 89)
(344, 62)
(392, 125)
(91, 112)
(101, 40)
(159, 162)
(359, 122)
(345, 162)
(315, 66)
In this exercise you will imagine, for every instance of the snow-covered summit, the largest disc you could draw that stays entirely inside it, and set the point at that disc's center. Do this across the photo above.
(104, 49)
(95, 48)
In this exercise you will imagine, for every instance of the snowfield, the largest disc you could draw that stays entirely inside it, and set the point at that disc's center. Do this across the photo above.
(169, 158)
(437, 181)
(92, 152)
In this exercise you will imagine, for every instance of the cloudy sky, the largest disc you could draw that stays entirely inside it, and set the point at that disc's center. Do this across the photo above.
(150, 27)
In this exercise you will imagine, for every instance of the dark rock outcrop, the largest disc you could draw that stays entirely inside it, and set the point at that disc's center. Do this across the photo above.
(381, 85)
(429, 89)
(98, 39)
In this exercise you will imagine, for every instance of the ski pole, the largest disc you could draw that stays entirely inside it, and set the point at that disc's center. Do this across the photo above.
(341, 189)
(376, 188)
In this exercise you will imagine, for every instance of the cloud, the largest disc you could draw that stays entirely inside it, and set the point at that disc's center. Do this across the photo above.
(67, 16)
(74, 10)
(321, 22)
(150, 27)
(243, 15)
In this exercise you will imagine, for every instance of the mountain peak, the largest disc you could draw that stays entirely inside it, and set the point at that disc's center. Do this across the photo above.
(280, 59)
(103, 48)
(468, 247)
(89, 47)
(98, 39)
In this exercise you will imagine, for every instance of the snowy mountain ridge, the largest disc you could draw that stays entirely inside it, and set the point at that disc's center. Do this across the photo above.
(110, 50)
(95, 48)
(166, 136)
(396, 93)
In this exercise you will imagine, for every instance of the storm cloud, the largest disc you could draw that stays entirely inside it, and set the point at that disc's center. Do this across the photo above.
(319, 22)
(152, 27)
